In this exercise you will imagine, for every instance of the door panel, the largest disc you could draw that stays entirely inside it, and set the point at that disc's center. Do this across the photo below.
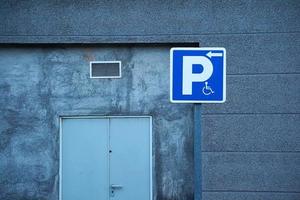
(129, 160)
(85, 159)
(97, 153)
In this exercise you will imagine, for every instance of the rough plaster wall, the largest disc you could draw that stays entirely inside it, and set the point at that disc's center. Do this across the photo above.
(38, 85)
(64, 21)
(251, 143)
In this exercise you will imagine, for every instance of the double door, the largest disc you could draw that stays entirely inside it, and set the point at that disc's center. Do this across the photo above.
(105, 158)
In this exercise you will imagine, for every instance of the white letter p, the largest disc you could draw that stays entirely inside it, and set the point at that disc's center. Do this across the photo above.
(189, 77)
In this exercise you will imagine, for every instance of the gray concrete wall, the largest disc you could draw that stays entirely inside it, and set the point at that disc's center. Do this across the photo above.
(97, 21)
(250, 143)
(38, 85)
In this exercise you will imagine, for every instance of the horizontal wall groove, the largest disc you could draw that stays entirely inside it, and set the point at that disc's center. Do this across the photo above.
(160, 34)
(257, 191)
(265, 74)
(212, 114)
(119, 39)
(262, 152)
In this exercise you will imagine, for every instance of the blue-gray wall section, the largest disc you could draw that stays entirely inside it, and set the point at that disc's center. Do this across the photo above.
(38, 85)
(141, 20)
(251, 144)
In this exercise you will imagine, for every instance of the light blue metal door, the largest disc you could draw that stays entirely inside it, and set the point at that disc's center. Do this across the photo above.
(129, 159)
(84, 157)
(105, 158)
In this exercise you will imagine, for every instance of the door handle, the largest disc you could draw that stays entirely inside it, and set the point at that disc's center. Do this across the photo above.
(115, 186)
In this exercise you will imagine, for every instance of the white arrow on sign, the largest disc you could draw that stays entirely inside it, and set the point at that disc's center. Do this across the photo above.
(211, 54)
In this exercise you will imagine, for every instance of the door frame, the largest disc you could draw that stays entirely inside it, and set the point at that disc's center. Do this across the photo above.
(61, 118)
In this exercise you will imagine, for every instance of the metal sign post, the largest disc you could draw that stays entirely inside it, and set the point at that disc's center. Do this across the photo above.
(197, 153)
(198, 75)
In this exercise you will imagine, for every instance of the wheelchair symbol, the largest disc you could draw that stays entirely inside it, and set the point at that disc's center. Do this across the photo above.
(207, 89)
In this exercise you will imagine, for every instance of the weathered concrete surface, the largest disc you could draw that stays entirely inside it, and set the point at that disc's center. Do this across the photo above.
(39, 84)
(250, 196)
(262, 42)
(109, 21)
(266, 132)
(251, 171)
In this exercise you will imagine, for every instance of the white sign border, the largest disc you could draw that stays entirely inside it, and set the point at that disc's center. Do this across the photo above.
(197, 48)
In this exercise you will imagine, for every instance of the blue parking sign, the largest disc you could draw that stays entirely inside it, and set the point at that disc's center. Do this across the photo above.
(198, 75)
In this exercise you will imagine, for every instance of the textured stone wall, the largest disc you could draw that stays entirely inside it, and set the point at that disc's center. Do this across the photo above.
(251, 144)
(40, 84)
